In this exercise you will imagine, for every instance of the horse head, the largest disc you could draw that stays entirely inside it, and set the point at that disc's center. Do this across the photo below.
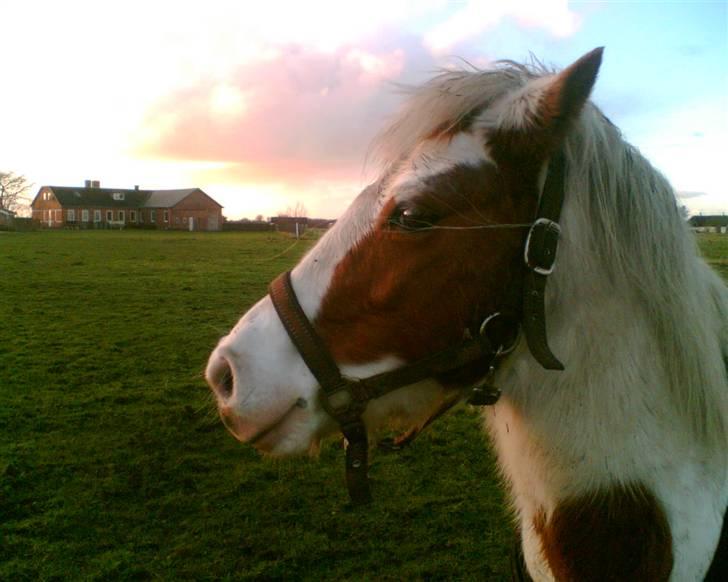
(419, 260)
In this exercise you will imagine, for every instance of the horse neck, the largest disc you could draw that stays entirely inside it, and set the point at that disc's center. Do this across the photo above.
(636, 354)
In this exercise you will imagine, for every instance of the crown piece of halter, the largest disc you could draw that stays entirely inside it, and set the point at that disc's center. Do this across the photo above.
(345, 399)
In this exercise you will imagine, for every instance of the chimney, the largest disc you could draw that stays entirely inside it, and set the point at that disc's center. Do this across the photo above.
(87, 184)
(95, 184)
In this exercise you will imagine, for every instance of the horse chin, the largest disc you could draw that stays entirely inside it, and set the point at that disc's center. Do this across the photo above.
(288, 443)
(292, 433)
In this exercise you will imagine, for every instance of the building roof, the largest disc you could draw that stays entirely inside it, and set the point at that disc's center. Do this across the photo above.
(74, 196)
(167, 198)
(69, 196)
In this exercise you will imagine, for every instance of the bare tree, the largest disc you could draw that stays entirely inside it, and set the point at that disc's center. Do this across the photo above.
(297, 211)
(13, 191)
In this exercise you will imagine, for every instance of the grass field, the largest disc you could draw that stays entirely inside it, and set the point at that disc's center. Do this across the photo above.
(114, 466)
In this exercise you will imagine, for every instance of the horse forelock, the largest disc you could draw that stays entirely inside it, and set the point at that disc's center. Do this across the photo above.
(446, 105)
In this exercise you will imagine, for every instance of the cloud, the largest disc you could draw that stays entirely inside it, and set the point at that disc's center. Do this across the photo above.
(479, 16)
(310, 109)
(297, 112)
(298, 115)
(684, 195)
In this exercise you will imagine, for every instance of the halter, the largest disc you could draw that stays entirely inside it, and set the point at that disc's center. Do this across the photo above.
(345, 399)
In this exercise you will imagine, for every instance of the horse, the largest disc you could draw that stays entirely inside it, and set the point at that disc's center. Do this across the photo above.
(611, 425)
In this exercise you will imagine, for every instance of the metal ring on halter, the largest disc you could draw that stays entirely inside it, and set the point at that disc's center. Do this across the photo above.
(502, 350)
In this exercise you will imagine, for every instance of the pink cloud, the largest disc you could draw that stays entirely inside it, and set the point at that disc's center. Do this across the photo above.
(297, 113)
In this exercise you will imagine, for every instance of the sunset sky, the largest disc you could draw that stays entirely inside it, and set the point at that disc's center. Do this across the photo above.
(267, 104)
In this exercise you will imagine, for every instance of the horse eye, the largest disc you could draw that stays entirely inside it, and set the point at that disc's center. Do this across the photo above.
(410, 218)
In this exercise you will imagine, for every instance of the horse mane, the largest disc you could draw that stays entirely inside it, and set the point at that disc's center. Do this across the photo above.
(622, 228)
(444, 102)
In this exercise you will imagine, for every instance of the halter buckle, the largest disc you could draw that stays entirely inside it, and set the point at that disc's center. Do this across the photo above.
(338, 402)
(502, 349)
(541, 243)
(346, 401)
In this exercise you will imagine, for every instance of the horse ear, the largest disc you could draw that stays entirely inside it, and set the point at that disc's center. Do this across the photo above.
(567, 92)
(533, 121)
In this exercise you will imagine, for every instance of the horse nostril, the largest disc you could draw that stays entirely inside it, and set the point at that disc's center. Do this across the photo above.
(220, 377)
(226, 383)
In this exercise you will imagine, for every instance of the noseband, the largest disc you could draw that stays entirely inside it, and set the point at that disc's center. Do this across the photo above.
(345, 399)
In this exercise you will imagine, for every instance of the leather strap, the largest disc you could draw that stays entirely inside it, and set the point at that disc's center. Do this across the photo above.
(338, 397)
(308, 343)
(540, 257)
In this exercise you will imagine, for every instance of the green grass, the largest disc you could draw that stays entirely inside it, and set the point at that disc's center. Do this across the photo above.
(715, 251)
(113, 464)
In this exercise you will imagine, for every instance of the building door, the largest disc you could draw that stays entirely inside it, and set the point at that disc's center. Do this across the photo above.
(212, 223)
(192, 223)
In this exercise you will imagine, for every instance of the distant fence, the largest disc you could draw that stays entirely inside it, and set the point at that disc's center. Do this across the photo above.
(252, 226)
(18, 224)
(711, 229)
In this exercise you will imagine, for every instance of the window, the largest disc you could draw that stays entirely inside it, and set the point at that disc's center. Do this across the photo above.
(176, 219)
(166, 216)
(153, 216)
(109, 216)
(132, 215)
(118, 196)
(84, 215)
(97, 216)
(122, 216)
(71, 215)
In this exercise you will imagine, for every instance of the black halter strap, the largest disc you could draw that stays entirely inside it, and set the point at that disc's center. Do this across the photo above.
(540, 257)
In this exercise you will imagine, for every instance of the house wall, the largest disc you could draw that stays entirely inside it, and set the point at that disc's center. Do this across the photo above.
(47, 213)
(50, 214)
(204, 212)
(116, 217)
(158, 221)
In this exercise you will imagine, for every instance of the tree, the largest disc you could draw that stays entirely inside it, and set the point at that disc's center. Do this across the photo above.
(13, 191)
(297, 211)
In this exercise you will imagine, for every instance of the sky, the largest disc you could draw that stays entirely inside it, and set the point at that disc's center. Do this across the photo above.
(270, 104)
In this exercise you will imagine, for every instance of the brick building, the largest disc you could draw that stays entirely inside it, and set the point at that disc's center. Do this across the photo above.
(94, 207)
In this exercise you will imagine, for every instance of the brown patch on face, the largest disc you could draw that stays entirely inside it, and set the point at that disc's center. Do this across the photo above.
(410, 294)
(619, 534)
